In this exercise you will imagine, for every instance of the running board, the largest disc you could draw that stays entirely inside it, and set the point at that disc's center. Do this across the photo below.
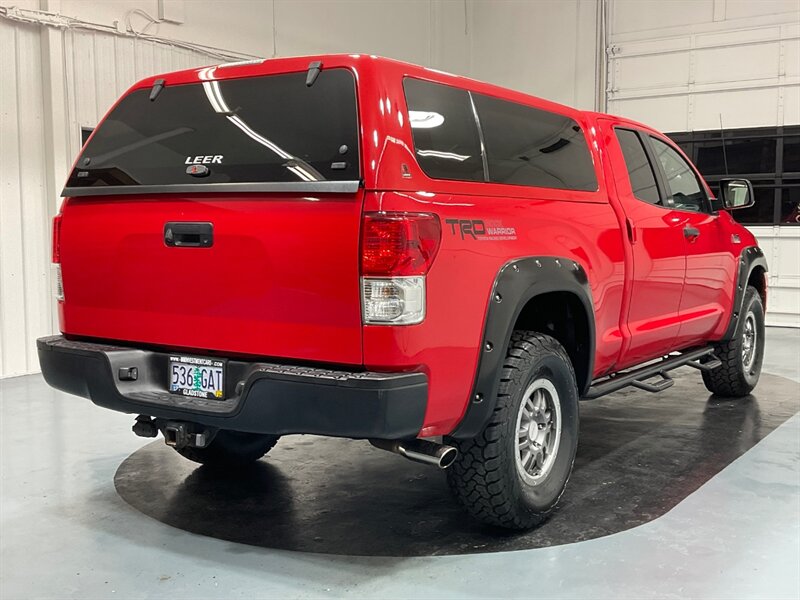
(637, 378)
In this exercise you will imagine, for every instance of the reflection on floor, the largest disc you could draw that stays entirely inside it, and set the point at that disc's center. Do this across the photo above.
(639, 455)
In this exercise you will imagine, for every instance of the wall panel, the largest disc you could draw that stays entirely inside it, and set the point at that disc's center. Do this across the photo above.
(24, 266)
(781, 247)
(743, 69)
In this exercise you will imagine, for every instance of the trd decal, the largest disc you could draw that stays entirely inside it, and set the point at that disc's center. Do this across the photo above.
(478, 229)
(466, 228)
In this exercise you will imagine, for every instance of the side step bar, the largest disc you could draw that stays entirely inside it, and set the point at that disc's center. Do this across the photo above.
(638, 377)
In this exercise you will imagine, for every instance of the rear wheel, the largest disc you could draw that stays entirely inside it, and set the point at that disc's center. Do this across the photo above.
(512, 474)
(742, 356)
(231, 449)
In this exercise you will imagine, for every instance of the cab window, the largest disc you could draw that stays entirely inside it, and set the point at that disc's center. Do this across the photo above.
(682, 182)
(640, 171)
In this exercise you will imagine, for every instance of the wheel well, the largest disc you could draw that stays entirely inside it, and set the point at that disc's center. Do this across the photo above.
(758, 279)
(563, 316)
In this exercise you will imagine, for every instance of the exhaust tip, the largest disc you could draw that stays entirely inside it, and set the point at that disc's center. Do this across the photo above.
(421, 451)
(447, 457)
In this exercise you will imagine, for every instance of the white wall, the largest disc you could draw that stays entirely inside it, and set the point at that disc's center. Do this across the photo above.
(39, 137)
(55, 80)
(678, 65)
(25, 298)
(546, 48)
(243, 26)
(781, 246)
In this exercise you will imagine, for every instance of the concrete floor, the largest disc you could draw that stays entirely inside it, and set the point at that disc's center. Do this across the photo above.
(65, 532)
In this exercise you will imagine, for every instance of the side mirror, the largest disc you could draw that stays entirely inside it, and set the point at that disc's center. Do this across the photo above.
(736, 193)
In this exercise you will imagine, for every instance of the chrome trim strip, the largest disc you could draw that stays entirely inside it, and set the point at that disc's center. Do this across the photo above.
(322, 187)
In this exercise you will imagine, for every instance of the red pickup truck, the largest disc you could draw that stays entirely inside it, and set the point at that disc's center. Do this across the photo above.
(352, 246)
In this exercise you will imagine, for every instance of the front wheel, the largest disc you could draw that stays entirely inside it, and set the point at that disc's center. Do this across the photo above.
(231, 449)
(742, 356)
(512, 474)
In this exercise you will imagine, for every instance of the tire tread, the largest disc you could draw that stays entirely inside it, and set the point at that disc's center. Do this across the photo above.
(728, 379)
(479, 487)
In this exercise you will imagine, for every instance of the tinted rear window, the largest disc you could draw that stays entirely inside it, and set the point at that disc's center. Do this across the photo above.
(445, 134)
(258, 129)
(521, 145)
(528, 146)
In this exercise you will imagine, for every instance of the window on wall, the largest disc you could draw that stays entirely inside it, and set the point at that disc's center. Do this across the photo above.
(790, 202)
(769, 157)
(85, 133)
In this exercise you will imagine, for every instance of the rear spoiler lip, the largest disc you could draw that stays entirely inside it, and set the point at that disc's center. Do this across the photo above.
(314, 187)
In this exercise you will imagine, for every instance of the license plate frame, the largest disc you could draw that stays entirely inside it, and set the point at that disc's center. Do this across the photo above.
(196, 377)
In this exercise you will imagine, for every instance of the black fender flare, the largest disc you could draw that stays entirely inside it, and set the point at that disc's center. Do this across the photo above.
(750, 258)
(516, 283)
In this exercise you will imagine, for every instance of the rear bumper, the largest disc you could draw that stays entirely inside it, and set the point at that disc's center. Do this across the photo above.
(260, 397)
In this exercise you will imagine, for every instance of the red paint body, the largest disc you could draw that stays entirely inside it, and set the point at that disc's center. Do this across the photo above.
(285, 267)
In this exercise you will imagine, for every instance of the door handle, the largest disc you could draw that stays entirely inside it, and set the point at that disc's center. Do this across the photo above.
(189, 235)
(691, 233)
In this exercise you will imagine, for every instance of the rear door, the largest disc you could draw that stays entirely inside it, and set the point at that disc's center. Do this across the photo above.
(223, 216)
(655, 235)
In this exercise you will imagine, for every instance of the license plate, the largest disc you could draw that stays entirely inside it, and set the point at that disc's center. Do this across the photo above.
(197, 377)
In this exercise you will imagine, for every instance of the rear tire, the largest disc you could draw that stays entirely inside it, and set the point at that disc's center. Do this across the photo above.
(512, 474)
(743, 355)
(231, 449)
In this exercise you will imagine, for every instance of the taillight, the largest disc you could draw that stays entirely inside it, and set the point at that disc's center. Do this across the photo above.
(57, 239)
(397, 250)
(58, 284)
(399, 243)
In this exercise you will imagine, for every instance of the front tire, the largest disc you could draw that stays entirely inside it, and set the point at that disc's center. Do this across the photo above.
(512, 474)
(231, 449)
(743, 355)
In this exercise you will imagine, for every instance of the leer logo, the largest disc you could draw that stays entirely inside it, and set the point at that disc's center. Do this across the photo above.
(206, 159)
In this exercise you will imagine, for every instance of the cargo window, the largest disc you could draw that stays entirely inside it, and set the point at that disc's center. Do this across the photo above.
(240, 131)
(528, 146)
(640, 171)
(446, 140)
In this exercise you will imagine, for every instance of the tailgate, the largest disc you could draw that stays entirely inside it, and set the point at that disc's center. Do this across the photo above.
(266, 169)
(281, 278)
